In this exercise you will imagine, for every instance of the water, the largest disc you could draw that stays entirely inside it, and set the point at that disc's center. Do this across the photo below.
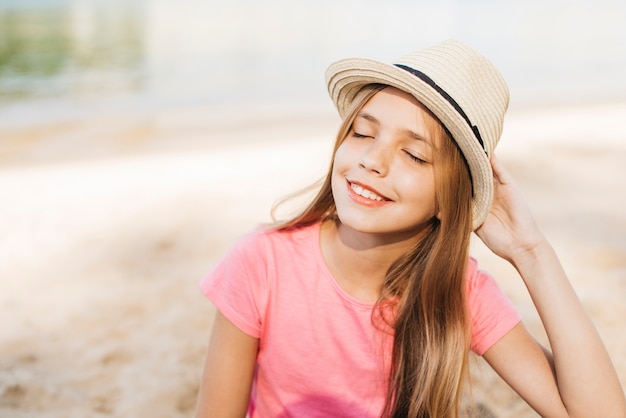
(64, 56)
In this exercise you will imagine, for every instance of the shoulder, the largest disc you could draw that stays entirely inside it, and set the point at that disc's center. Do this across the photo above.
(264, 242)
(481, 286)
(491, 312)
(473, 274)
(477, 279)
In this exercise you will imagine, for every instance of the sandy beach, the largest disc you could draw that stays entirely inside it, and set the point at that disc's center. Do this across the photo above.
(108, 223)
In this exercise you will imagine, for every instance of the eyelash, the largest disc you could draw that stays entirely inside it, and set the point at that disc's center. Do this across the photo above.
(418, 160)
(415, 158)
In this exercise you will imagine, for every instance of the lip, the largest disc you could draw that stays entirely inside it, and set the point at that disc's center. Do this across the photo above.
(363, 200)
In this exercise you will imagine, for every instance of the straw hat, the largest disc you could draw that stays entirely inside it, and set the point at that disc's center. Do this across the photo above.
(460, 87)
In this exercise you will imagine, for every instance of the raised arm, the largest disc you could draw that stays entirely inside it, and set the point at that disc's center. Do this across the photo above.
(228, 371)
(578, 378)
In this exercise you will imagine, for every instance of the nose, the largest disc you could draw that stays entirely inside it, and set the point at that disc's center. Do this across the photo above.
(376, 158)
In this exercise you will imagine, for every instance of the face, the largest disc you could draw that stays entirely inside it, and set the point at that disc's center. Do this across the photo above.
(383, 176)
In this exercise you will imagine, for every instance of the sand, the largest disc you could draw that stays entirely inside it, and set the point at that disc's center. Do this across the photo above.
(107, 223)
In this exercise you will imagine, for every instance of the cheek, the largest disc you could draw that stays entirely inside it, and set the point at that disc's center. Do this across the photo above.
(421, 188)
(341, 153)
(342, 159)
(337, 167)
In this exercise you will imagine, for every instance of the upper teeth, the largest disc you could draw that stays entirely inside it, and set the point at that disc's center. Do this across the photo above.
(368, 194)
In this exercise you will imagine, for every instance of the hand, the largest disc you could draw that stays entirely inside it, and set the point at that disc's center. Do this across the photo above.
(509, 230)
(580, 374)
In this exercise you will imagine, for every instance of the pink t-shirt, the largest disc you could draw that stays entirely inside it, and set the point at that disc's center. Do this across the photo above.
(319, 353)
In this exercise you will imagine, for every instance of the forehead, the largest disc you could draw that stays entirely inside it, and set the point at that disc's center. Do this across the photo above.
(394, 108)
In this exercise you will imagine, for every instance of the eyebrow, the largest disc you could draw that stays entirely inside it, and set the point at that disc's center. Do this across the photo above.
(407, 132)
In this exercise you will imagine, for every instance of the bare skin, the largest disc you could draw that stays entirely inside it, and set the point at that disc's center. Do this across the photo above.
(228, 371)
(575, 379)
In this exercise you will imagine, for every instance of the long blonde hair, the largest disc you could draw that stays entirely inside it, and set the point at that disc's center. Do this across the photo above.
(425, 288)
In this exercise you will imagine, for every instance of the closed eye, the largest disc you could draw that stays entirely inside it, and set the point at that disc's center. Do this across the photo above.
(416, 158)
(360, 135)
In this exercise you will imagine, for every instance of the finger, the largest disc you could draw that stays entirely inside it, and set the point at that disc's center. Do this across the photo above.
(500, 175)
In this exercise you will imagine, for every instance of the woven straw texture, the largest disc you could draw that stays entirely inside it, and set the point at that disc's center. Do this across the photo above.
(466, 76)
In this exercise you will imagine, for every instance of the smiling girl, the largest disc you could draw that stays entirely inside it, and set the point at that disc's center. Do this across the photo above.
(367, 304)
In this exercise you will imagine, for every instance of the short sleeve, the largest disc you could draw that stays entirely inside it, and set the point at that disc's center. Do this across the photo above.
(492, 313)
(237, 284)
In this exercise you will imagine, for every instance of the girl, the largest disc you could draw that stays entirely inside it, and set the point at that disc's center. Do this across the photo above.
(367, 303)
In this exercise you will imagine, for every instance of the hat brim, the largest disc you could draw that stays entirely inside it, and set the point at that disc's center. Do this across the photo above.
(346, 77)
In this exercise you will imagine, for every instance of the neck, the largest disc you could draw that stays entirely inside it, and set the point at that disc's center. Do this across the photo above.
(359, 261)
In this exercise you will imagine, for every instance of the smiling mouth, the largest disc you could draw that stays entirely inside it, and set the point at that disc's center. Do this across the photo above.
(366, 193)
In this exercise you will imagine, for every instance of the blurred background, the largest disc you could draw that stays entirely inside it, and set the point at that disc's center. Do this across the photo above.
(139, 138)
(66, 58)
